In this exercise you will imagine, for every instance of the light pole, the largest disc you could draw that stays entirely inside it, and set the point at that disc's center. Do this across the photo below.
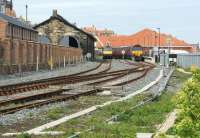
(158, 43)
(26, 13)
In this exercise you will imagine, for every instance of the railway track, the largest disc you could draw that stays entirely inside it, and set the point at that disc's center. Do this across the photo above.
(21, 99)
(45, 83)
(48, 101)
(57, 95)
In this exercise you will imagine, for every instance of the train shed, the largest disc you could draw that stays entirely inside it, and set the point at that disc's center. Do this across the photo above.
(61, 32)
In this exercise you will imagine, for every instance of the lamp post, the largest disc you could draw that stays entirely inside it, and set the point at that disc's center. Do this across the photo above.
(158, 43)
(169, 43)
(26, 12)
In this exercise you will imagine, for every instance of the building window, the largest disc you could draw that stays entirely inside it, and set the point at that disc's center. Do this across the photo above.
(2, 9)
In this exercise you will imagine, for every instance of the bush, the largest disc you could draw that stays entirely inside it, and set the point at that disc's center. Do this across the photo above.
(188, 101)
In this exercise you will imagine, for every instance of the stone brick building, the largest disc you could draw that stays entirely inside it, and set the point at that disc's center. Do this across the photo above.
(61, 32)
(21, 50)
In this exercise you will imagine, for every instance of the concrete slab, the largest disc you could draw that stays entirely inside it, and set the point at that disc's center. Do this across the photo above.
(144, 135)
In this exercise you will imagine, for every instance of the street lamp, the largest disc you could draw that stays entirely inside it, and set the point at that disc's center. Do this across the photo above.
(159, 43)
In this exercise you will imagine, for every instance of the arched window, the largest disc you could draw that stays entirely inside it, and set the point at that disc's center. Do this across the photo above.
(69, 41)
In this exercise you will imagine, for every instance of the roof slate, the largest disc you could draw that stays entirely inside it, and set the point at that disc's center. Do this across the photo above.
(16, 21)
(61, 19)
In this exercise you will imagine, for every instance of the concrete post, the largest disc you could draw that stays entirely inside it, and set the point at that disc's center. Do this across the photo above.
(51, 62)
(37, 64)
(69, 61)
(59, 62)
(64, 62)
(73, 61)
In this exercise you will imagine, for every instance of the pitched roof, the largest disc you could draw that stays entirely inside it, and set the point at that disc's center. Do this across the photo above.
(145, 38)
(16, 21)
(98, 32)
(61, 19)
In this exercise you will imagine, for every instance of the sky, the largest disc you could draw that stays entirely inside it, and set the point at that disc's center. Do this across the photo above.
(180, 18)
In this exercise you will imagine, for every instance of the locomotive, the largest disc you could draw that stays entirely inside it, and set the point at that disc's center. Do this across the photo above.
(135, 52)
(138, 53)
(107, 53)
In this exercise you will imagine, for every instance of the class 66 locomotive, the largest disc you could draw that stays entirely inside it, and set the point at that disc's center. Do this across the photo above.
(133, 52)
(138, 53)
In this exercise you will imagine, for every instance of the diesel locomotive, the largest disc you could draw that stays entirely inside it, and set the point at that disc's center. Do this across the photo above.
(135, 52)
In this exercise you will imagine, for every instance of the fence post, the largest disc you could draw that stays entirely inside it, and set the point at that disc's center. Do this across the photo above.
(64, 62)
(69, 60)
(37, 64)
(51, 63)
(73, 60)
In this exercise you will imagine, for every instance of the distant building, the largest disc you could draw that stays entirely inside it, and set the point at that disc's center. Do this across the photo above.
(6, 8)
(98, 32)
(61, 32)
(148, 39)
(14, 28)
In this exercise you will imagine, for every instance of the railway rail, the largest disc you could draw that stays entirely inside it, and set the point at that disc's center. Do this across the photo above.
(57, 95)
(48, 101)
(45, 83)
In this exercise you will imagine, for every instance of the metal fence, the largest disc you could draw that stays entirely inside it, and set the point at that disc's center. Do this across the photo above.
(182, 60)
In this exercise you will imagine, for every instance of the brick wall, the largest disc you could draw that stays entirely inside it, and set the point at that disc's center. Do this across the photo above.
(20, 54)
(2, 28)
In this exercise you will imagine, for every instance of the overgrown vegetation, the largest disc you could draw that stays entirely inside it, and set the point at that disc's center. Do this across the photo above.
(188, 103)
(54, 113)
(142, 119)
(24, 135)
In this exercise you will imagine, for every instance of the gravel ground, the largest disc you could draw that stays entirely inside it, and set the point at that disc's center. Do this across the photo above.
(31, 76)
(143, 81)
(9, 120)
(119, 65)
(102, 68)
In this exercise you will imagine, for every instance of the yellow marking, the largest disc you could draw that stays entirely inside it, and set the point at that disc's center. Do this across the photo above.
(107, 52)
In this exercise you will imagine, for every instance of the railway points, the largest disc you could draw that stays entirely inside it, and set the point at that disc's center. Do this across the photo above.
(112, 79)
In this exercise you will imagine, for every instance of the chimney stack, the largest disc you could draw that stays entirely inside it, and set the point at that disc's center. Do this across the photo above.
(55, 12)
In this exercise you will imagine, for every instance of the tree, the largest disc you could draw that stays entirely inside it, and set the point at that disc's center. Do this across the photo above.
(188, 103)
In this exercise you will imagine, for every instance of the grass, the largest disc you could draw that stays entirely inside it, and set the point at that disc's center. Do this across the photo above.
(24, 135)
(74, 106)
(54, 113)
(142, 119)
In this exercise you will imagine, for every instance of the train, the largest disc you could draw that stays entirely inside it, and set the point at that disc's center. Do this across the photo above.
(134, 52)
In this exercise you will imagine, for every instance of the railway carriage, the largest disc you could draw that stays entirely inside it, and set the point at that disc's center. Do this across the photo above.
(122, 53)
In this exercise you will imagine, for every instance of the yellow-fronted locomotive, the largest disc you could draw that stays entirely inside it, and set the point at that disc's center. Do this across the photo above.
(135, 52)
(138, 53)
(107, 53)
